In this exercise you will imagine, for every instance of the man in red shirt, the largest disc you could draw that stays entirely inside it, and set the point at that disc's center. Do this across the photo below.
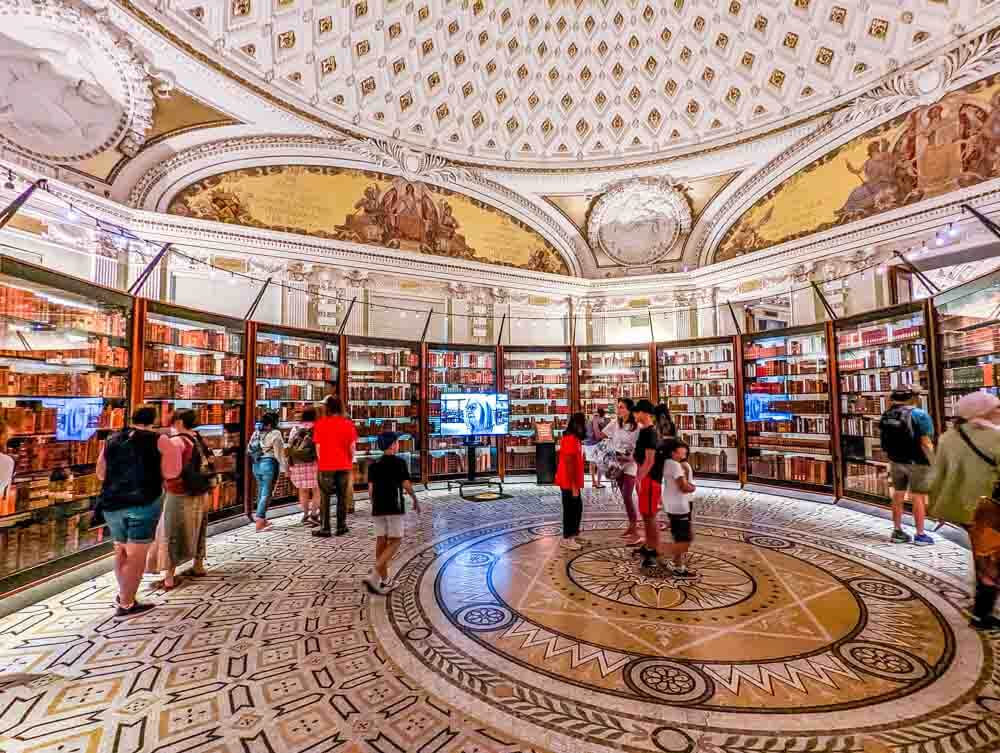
(335, 437)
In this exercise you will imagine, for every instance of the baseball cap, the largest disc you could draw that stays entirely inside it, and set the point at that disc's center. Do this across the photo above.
(644, 406)
(976, 405)
(903, 394)
(386, 439)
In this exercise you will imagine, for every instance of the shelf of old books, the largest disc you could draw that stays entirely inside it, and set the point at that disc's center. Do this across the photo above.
(697, 381)
(64, 386)
(457, 369)
(876, 354)
(787, 409)
(607, 373)
(383, 394)
(968, 323)
(194, 360)
(537, 383)
(295, 369)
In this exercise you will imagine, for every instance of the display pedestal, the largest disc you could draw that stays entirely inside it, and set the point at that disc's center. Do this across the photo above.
(545, 463)
(471, 479)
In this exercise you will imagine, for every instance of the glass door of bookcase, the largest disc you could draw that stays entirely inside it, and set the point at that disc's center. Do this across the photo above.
(876, 354)
(608, 373)
(697, 381)
(537, 383)
(295, 369)
(450, 370)
(64, 387)
(194, 360)
(787, 409)
(968, 322)
(383, 385)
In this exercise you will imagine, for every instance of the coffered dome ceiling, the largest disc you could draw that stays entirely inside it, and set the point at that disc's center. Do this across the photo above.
(538, 82)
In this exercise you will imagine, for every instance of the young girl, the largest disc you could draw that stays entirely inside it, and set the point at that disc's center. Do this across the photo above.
(623, 432)
(569, 478)
(678, 486)
(267, 457)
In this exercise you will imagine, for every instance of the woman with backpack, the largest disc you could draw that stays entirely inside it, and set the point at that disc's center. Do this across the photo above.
(302, 469)
(183, 528)
(267, 458)
(623, 432)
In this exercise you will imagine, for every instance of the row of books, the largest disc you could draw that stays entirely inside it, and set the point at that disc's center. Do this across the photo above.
(34, 542)
(524, 424)
(169, 386)
(702, 405)
(800, 406)
(456, 462)
(797, 469)
(711, 462)
(881, 334)
(860, 426)
(912, 354)
(971, 377)
(867, 479)
(790, 444)
(48, 453)
(394, 358)
(705, 423)
(440, 379)
(538, 393)
(407, 375)
(799, 386)
(882, 381)
(699, 389)
(529, 377)
(615, 360)
(805, 345)
(519, 461)
(794, 425)
(21, 303)
(38, 420)
(158, 359)
(682, 373)
(382, 411)
(158, 333)
(296, 351)
(98, 353)
(373, 429)
(42, 492)
(296, 371)
(208, 414)
(538, 363)
(461, 360)
(971, 343)
(700, 439)
(781, 368)
(368, 392)
(611, 392)
(538, 409)
(61, 385)
(623, 377)
(314, 393)
(871, 405)
(695, 355)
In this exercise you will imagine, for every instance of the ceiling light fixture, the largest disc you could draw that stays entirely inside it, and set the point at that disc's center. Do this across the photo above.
(938, 239)
(952, 230)
(9, 185)
(71, 214)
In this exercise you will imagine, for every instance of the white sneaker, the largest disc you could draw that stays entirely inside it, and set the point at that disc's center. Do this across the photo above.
(374, 584)
(570, 544)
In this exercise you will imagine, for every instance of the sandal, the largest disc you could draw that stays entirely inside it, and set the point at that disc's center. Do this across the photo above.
(161, 585)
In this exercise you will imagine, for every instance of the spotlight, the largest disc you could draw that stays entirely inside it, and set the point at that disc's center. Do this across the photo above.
(402, 314)
(232, 278)
(9, 184)
(938, 239)
(952, 230)
(71, 214)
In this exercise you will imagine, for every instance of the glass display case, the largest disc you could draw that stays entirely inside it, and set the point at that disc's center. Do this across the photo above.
(384, 395)
(876, 354)
(295, 369)
(193, 359)
(697, 381)
(457, 370)
(608, 373)
(538, 385)
(787, 408)
(968, 325)
(64, 386)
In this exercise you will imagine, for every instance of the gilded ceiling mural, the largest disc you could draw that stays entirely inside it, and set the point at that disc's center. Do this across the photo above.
(370, 208)
(925, 153)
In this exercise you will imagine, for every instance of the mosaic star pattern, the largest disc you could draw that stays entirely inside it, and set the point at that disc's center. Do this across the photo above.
(805, 630)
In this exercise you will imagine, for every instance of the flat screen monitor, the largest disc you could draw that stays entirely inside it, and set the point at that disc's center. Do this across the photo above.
(758, 407)
(77, 418)
(474, 414)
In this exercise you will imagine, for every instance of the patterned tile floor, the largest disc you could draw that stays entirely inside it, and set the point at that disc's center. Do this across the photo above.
(803, 631)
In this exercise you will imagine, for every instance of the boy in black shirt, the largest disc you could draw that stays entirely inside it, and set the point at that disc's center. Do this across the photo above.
(388, 478)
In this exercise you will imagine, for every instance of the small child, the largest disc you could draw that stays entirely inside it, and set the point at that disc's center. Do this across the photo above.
(388, 478)
(678, 486)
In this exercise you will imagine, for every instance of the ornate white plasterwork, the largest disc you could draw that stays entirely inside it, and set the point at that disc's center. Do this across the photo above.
(638, 222)
(156, 187)
(70, 88)
(528, 84)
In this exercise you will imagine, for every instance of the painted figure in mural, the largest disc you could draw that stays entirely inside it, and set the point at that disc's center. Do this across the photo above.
(368, 223)
(410, 212)
(878, 182)
(746, 238)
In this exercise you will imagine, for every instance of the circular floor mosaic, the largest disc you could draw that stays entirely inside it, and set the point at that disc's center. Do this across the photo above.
(593, 653)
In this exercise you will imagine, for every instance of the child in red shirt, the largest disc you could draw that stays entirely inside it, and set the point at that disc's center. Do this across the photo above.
(569, 478)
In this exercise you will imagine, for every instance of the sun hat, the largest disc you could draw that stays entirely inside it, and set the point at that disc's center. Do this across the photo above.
(976, 405)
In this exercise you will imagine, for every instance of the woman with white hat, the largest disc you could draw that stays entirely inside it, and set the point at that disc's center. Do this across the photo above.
(966, 465)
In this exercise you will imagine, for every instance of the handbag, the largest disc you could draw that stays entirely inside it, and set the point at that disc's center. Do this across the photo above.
(984, 533)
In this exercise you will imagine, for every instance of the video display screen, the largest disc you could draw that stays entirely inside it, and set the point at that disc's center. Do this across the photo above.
(758, 407)
(474, 414)
(77, 418)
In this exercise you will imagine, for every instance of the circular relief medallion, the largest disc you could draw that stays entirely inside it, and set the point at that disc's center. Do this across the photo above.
(587, 645)
(637, 222)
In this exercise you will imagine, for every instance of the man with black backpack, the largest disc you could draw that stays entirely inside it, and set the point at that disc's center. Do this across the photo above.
(907, 437)
(132, 467)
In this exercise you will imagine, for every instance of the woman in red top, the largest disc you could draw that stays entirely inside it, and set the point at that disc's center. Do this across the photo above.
(569, 478)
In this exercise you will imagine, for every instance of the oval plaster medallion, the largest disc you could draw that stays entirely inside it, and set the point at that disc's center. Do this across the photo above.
(637, 222)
